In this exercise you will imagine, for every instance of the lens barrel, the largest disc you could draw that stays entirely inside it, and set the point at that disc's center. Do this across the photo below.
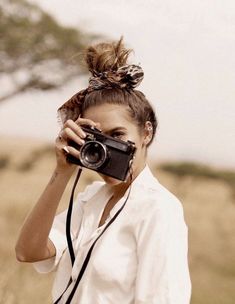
(93, 155)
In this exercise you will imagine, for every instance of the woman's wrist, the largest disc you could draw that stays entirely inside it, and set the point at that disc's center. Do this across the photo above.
(63, 172)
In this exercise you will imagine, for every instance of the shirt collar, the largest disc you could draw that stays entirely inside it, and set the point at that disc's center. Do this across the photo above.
(145, 180)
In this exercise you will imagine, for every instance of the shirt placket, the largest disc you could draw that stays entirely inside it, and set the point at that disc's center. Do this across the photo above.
(87, 235)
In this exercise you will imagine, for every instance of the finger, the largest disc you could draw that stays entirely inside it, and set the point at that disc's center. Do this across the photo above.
(75, 127)
(86, 121)
(65, 149)
(98, 126)
(60, 138)
(71, 150)
(69, 134)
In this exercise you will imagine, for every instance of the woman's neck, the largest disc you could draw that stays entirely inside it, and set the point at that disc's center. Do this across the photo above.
(120, 189)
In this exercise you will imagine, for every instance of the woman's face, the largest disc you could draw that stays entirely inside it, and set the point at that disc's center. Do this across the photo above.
(114, 120)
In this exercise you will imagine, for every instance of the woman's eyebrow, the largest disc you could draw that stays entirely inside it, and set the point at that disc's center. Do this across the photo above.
(110, 131)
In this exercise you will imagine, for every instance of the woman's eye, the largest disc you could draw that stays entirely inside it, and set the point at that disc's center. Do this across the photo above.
(117, 134)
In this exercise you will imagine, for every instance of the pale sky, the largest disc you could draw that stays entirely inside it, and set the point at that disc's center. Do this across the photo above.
(186, 49)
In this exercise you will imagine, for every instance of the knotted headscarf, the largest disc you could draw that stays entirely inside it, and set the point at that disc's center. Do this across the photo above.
(128, 77)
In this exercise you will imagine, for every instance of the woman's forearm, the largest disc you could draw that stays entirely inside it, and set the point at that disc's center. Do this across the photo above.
(33, 243)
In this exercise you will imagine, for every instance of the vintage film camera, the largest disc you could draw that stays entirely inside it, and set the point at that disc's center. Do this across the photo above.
(104, 154)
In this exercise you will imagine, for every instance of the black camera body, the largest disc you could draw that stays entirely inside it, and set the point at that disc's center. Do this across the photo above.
(104, 154)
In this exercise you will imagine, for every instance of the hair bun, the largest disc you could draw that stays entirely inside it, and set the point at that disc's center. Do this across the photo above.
(104, 57)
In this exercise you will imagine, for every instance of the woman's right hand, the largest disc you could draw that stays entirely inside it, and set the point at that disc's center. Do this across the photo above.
(71, 131)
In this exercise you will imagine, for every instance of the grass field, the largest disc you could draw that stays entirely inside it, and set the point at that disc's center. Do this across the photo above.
(209, 205)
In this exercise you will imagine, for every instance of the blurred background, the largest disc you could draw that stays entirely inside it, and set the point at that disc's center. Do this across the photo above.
(186, 49)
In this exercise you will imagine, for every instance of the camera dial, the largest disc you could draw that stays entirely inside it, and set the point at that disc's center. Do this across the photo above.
(93, 155)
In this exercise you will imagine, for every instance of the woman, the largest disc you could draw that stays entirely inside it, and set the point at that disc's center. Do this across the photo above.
(141, 257)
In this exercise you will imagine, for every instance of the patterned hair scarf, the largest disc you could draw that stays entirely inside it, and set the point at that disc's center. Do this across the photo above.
(128, 77)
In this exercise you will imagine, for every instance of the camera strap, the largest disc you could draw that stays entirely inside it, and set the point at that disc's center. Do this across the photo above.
(69, 217)
(70, 245)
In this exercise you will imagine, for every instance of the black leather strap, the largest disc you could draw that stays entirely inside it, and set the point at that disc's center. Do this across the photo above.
(69, 217)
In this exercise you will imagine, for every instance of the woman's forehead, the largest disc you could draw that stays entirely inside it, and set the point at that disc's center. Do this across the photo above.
(109, 115)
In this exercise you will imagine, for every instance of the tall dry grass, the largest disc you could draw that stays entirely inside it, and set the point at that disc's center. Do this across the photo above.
(25, 168)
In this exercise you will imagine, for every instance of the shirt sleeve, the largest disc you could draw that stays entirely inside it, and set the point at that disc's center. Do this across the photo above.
(58, 231)
(162, 248)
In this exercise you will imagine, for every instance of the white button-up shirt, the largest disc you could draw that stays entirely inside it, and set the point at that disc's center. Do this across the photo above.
(140, 259)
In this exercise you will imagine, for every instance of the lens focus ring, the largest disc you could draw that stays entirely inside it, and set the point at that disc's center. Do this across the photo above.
(93, 154)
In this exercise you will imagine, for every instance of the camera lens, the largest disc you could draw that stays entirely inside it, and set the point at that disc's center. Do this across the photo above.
(93, 154)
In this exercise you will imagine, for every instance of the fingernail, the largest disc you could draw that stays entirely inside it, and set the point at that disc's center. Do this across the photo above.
(83, 134)
(65, 149)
